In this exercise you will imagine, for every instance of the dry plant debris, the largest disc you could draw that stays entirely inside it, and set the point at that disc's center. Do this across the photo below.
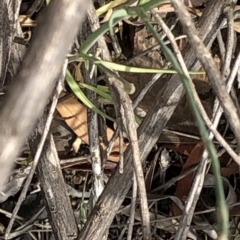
(169, 160)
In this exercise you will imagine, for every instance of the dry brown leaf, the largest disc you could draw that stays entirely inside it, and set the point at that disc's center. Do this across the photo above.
(230, 169)
(237, 26)
(184, 185)
(235, 211)
(184, 148)
(75, 115)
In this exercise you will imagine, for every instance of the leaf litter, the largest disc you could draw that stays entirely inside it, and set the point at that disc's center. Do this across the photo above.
(184, 153)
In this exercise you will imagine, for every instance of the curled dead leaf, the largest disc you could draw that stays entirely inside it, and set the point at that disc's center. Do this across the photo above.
(75, 115)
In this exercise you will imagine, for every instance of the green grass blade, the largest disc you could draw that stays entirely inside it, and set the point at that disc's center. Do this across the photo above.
(81, 96)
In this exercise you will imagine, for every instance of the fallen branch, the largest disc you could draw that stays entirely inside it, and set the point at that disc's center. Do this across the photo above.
(28, 95)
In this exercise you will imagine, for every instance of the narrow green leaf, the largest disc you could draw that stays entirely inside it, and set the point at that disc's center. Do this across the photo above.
(81, 96)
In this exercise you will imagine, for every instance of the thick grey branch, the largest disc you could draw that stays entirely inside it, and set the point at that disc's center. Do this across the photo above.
(43, 62)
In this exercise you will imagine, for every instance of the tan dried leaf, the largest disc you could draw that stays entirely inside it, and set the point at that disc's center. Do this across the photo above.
(75, 115)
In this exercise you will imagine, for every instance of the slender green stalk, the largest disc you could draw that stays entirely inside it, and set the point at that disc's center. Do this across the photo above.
(130, 69)
(222, 210)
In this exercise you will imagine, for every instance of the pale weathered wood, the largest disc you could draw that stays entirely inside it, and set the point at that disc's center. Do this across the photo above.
(28, 95)
(57, 202)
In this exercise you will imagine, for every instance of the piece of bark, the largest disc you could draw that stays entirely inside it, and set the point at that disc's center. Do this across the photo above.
(55, 193)
(149, 131)
(6, 32)
(17, 50)
(10, 52)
